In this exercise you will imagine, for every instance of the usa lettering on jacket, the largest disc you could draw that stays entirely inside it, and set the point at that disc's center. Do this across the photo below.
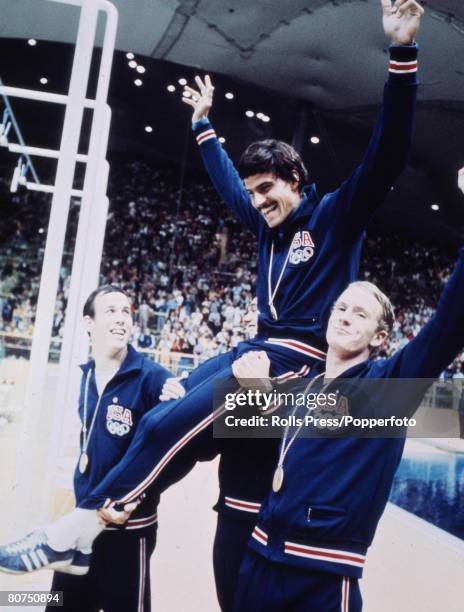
(302, 248)
(118, 420)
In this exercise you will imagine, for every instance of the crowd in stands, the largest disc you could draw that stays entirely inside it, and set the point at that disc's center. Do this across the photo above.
(188, 265)
(412, 275)
(190, 268)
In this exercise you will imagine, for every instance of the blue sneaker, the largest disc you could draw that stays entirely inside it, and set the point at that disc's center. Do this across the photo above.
(79, 565)
(32, 553)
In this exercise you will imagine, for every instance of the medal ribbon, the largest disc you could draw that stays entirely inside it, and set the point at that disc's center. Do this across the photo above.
(271, 293)
(85, 435)
(284, 448)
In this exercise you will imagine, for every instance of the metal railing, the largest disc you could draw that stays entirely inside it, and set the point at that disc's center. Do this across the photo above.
(18, 345)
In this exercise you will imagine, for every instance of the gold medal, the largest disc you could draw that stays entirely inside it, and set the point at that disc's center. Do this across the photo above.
(83, 462)
(86, 433)
(278, 479)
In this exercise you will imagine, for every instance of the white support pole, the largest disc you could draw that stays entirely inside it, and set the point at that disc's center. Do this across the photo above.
(42, 96)
(49, 188)
(39, 152)
(52, 261)
(86, 261)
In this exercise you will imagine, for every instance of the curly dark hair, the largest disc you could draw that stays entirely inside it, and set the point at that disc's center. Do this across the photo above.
(276, 157)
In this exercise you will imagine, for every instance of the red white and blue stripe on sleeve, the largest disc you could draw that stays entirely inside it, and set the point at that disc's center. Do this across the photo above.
(206, 134)
(403, 63)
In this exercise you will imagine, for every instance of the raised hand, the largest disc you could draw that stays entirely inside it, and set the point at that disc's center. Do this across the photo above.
(401, 20)
(200, 100)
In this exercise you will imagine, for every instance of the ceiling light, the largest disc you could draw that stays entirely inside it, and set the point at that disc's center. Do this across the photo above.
(133, 64)
(41, 230)
(186, 94)
(148, 129)
(140, 69)
(138, 82)
(44, 80)
(32, 42)
(435, 207)
(130, 56)
(260, 115)
(249, 113)
(265, 118)
(171, 88)
(315, 139)
(229, 95)
(222, 139)
(182, 81)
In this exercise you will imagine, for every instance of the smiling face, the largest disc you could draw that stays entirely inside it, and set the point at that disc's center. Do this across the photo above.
(110, 326)
(273, 197)
(353, 328)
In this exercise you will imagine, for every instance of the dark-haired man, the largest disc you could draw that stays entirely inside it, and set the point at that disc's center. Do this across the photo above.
(309, 251)
(119, 385)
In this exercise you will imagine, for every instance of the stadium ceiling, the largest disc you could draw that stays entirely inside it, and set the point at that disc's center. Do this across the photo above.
(328, 54)
(331, 52)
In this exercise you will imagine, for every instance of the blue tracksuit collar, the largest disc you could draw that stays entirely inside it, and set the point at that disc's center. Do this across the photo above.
(357, 370)
(302, 213)
(132, 363)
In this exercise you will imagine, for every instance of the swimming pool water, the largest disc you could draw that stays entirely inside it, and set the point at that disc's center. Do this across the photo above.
(432, 487)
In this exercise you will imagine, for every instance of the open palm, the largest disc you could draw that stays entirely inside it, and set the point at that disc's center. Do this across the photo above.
(200, 100)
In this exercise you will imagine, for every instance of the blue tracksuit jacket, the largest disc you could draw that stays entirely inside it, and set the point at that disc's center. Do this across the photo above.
(335, 490)
(132, 392)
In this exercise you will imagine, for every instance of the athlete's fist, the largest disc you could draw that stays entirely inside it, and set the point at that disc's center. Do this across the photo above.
(401, 20)
(252, 371)
(173, 388)
(110, 515)
(201, 99)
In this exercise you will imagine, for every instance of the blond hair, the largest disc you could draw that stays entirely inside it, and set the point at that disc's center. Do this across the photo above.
(387, 318)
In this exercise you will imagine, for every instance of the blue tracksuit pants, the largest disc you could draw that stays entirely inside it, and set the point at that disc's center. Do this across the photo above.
(266, 586)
